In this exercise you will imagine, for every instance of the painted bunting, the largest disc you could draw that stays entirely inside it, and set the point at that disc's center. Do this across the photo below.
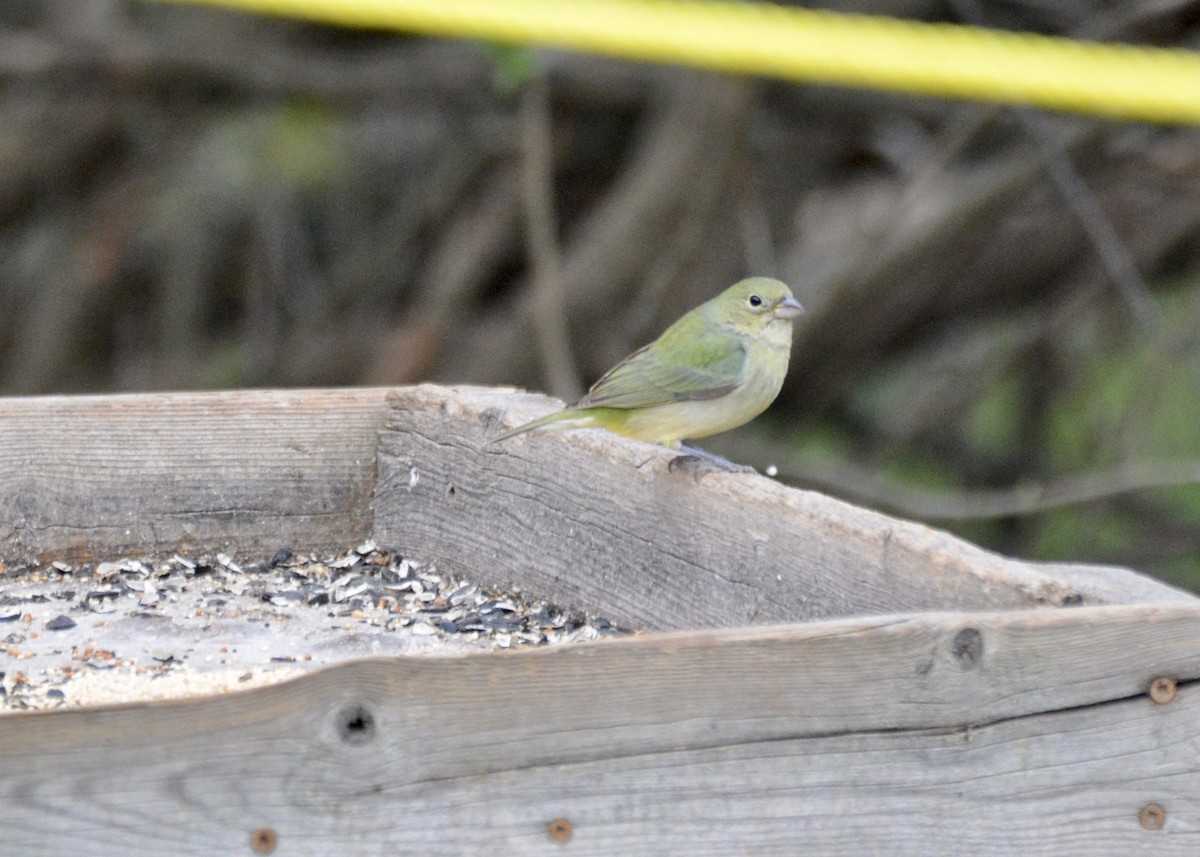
(716, 368)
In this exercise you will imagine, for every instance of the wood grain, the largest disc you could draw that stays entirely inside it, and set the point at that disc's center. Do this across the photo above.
(1018, 733)
(590, 520)
(83, 477)
(599, 522)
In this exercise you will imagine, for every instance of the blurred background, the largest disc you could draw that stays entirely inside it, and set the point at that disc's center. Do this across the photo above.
(1002, 334)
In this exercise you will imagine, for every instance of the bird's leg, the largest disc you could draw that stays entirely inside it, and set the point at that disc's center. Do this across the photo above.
(697, 461)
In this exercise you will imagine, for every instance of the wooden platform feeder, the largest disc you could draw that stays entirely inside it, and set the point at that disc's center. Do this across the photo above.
(817, 679)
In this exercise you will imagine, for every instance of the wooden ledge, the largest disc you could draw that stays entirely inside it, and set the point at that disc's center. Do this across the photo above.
(1027, 732)
(586, 518)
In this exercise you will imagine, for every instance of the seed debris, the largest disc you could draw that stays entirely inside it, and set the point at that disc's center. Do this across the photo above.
(178, 617)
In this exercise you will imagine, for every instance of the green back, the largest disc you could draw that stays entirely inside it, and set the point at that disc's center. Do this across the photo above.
(693, 359)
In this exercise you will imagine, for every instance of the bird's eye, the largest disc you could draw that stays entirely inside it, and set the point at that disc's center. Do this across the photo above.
(755, 300)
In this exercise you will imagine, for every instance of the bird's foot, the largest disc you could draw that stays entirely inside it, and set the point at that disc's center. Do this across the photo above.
(697, 462)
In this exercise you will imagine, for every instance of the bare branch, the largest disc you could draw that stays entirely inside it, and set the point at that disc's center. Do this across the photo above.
(964, 505)
(541, 242)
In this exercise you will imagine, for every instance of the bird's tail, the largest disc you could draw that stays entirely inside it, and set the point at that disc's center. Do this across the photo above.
(566, 418)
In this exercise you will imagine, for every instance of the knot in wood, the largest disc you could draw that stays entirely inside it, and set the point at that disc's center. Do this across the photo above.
(356, 725)
(968, 647)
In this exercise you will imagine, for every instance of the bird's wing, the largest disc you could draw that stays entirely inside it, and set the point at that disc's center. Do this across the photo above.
(708, 365)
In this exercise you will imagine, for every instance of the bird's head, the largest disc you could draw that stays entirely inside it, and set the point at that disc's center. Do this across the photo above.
(753, 304)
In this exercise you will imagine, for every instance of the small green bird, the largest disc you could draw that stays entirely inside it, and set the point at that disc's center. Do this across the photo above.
(716, 368)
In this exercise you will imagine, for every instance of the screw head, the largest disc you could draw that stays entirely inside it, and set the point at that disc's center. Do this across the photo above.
(560, 830)
(1152, 816)
(1163, 689)
(264, 840)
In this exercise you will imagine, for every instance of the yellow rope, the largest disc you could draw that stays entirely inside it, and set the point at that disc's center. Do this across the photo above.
(1122, 81)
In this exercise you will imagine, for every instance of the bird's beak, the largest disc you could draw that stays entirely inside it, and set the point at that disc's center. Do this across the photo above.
(787, 308)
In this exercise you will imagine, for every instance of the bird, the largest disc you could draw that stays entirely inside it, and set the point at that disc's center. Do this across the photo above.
(716, 368)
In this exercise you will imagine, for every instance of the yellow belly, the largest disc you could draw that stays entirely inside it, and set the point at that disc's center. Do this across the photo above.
(670, 423)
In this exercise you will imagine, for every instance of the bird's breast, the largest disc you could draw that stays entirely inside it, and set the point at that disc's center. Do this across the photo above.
(762, 377)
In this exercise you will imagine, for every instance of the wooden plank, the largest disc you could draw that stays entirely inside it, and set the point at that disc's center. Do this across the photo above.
(100, 476)
(995, 734)
(588, 519)
(597, 521)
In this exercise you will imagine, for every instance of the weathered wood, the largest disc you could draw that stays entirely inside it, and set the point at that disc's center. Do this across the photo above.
(588, 519)
(597, 521)
(99, 476)
(1019, 733)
